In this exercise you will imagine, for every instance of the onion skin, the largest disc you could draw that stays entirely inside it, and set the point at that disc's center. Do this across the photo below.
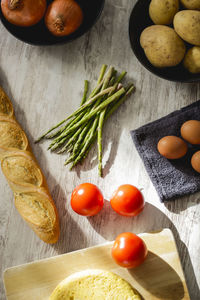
(63, 17)
(23, 13)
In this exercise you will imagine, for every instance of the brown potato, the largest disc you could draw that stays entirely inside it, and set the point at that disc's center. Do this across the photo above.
(192, 60)
(187, 25)
(162, 46)
(191, 4)
(162, 12)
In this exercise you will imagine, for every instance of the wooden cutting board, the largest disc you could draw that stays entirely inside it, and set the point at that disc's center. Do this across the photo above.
(159, 277)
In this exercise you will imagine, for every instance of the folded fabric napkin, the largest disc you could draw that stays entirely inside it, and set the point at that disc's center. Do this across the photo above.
(171, 178)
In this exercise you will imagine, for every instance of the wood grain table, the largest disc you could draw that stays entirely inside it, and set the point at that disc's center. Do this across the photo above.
(45, 84)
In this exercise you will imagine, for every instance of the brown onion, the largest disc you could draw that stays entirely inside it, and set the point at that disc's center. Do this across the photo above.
(23, 12)
(63, 17)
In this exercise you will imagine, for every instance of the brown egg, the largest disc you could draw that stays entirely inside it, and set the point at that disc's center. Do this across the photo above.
(190, 131)
(172, 147)
(195, 161)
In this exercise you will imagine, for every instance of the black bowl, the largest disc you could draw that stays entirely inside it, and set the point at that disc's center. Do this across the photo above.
(39, 34)
(139, 20)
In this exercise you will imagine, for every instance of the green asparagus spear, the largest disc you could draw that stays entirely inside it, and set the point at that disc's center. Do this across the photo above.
(105, 84)
(107, 78)
(101, 122)
(91, 101)
(86, 144)
(70, 124)
(81, 137)
(112, 81)
(88, 116)
(96, 110)
(108, 114)
(72, 140)
(110, 111)
(50, 130)
(102, 72)
(64, 139)
(84, 131)
(74, 156)
(76, 119)
(85, 125)
(69, 160)
(100, 81)
(99, 142)
(85, 92)
(58, 142)
(116, 105)
(94, 92)
(121, 76)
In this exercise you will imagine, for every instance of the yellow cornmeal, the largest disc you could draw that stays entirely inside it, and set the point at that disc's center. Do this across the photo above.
(94, 285)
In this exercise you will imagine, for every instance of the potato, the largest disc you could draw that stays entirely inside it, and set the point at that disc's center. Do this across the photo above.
(162, 46)
(162, 12)
(187, 25)
(191, 4)
(192, 60)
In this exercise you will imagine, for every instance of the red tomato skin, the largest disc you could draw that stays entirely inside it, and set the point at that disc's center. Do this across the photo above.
(127, 201)
(87, 199)
(129, 250)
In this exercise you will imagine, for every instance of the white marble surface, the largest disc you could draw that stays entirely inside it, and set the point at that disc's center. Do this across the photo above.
(45, 84)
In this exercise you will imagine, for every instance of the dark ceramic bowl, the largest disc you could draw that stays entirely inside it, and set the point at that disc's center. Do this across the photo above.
(39, 34)
(139, 20)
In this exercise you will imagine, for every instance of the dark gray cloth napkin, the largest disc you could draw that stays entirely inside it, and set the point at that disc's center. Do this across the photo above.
(171, 178)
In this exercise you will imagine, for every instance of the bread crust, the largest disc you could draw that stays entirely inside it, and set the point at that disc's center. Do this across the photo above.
(31, 194)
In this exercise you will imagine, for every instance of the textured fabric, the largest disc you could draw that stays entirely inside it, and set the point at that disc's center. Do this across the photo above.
(171, 178)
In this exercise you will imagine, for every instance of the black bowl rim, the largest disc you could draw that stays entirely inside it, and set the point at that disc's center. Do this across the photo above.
(61, 42)
(194, 80)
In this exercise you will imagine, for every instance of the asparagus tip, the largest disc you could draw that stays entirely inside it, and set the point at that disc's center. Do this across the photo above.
(39, 139)
(69, 160)
(61, 151)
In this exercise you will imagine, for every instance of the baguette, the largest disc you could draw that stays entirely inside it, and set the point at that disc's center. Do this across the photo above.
(31, 195)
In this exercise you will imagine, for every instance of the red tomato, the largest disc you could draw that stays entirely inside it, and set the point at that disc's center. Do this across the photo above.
(129, 250)
(127, 201)
(87, 200)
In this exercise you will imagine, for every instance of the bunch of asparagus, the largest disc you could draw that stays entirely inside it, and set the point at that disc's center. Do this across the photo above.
(78, 132)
